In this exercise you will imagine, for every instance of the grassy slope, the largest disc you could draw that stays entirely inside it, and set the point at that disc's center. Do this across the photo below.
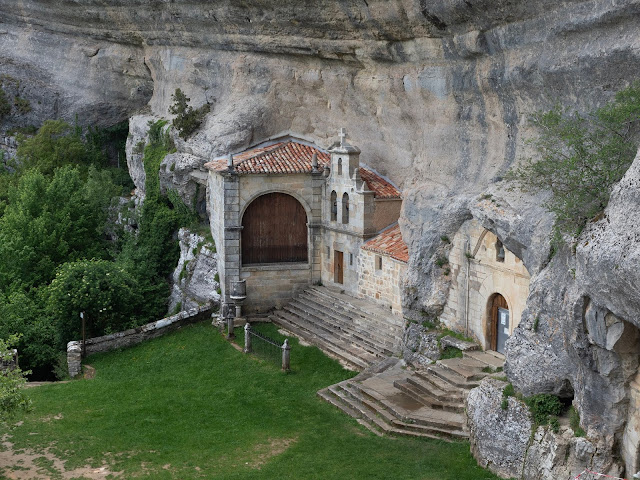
(192, 402)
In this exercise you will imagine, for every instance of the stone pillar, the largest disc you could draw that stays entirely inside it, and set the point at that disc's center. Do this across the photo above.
(74, 358)
(247, 338)
(230, 250)
(286, 356)
(318, 181)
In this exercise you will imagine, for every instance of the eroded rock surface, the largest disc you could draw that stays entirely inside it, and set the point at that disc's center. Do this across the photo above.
(195, 279)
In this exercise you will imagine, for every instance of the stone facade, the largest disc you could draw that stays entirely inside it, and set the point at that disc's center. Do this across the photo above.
(342, 213)
(477, 274)
(383, 285)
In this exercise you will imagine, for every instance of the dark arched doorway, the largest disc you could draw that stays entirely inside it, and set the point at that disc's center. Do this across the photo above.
(274, 230)
(499, 320)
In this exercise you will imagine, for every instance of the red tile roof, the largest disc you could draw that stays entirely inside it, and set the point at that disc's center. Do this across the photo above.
(292, 157)
(281, 157)
(379, 185)
(390, 243)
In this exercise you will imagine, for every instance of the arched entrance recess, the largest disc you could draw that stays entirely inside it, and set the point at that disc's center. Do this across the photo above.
(499, 320)
(274, 230)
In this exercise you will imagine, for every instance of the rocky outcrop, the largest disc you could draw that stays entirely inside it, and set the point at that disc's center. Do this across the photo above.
(503, 440)
(420, 345)
(195, 279)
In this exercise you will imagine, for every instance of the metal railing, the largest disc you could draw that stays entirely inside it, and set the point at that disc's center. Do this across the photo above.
(255, 342)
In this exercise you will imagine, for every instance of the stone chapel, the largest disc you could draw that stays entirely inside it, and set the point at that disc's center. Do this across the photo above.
(286, 214)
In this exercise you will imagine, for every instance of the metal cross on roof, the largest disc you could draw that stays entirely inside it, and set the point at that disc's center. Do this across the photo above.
(342, 135)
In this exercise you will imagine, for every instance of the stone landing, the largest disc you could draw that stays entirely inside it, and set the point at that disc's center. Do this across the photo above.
(355, 331)
(391, 398)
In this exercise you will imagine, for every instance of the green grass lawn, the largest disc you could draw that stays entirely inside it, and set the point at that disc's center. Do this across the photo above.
(188, 405)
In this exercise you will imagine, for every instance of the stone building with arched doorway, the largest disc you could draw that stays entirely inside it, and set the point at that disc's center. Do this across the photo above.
(286, 214)
(489, 287)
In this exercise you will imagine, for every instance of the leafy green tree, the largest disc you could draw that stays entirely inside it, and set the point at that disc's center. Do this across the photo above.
(49, 221)
(24, 313)
(105, 291)
(580, 157)
(12, 381)
(187, 119)
(55, 145)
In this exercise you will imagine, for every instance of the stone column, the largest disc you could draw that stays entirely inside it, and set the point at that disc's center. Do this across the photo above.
(230, 250)
(315, 225)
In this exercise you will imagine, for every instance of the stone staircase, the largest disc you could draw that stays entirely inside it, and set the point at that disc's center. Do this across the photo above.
(389, 398)
(356, 332)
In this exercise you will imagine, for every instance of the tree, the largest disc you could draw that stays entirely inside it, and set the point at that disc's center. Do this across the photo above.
(49, 221)
(12, 380)
(580, 157)
(187, 119)
(55, 145)
(105, 291)
(24, 313)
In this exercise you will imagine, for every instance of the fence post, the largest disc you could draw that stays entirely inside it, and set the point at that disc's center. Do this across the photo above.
(230, 334)
(286, 354)
(247, 338)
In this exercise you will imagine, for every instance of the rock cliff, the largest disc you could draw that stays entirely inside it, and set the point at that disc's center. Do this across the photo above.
(436, 93)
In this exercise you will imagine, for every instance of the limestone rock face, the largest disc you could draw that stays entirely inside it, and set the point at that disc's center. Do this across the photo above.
(194, 281)
(420, 346)
(136, 141)
(502, 440)
(499, 438)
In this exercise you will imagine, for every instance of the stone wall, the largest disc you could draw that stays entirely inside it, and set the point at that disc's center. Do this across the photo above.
(349, 245)
(476, 275)
(132, 336)
(9, 146)
(387, 211)
(273, 285)
(383, 286)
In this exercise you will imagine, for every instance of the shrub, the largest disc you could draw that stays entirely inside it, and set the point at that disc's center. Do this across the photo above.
(22, 105)
(451, 352)
(508, 391)
(542, 405)
(12, 381)
(445, 239)
(574, 422)
(5, 106)
(187, 119)
(441, 261)
(580, 158)
(554, 424)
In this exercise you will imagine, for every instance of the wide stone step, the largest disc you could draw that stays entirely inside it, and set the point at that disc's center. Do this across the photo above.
(325, 331)
(358, 306)
(423, 416)
(329, 397)
(387, 324)
(388, 423)
(469, 369)
(426, 399)
(431, 379)
(451, 395)
(452, 377)
(484, 357)
(381, 344)
(349, 354)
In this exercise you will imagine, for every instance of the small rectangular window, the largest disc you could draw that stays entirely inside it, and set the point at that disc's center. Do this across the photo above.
(351, 259)
(328, 252)
(378, 262)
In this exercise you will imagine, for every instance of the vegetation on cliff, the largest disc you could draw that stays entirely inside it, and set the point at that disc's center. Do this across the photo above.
(58, 260)
(580, 157)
